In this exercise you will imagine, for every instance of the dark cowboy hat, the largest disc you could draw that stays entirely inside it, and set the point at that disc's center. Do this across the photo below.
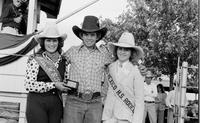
(90, 24)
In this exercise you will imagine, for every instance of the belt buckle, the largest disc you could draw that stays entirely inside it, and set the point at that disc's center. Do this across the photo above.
(87, 95)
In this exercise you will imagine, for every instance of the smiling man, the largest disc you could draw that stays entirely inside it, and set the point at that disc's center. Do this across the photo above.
(86, 67)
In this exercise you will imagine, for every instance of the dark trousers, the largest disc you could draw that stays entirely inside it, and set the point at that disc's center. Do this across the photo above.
(44, 108)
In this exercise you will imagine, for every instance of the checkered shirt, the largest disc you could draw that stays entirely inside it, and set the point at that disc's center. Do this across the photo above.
(87, 67)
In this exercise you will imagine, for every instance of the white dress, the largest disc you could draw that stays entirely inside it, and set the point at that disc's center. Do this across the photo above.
(131, 80)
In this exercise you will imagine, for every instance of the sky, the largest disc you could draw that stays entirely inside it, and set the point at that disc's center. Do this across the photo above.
(103, 8)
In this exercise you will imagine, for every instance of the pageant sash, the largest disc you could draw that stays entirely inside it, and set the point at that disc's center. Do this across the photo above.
(49, 68)
(125, 97)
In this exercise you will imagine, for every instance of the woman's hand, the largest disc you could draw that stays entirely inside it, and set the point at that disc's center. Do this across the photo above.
(61, 86)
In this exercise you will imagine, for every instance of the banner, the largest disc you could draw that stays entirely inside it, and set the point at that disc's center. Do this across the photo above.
(13, 47)
(10, 41)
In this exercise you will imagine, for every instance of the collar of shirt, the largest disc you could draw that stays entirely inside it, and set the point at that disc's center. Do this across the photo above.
(124, 64)
(124, 67)
(83, 47)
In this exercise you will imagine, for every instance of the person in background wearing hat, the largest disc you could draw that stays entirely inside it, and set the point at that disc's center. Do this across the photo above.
(128, 84)
(11, 18)
(44, 78)
(87, 63)
(150, 93)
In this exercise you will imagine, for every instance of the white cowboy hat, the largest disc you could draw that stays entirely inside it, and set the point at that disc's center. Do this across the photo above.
(127, 41)
(51, 31)
(149, 74)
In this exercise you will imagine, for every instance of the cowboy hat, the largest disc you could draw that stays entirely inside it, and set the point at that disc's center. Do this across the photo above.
(127, 41)
(51, 31)
(149, 74)
(90, 24)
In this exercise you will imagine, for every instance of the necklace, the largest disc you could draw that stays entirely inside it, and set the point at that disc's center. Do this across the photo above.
(54, 58)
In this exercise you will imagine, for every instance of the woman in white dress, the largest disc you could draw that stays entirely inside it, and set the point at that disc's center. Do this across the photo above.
(125, 97)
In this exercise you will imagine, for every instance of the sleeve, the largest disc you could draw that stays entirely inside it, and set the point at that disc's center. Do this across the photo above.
(108, 55)
(139, 97)
(68, 55)
(104, 85)
(168, 98)
(31, 83)
(6, 17)
(155, 92)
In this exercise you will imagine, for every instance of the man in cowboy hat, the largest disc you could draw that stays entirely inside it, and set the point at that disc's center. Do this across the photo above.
(150, 93)
(87, 63)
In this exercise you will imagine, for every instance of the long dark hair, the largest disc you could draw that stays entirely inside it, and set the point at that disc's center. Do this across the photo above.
(42, 47)
(161, 88)
(133, 57)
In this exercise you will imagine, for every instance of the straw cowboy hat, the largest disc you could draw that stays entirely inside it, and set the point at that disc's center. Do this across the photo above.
(127, 41)
(90, 24)
(149, 74)
(51, 31)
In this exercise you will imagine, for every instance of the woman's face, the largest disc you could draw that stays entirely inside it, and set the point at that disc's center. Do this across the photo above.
(51, 44)
(123, 54)
(159, 89)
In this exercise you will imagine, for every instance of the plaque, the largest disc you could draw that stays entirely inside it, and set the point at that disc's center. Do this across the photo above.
(72, 84)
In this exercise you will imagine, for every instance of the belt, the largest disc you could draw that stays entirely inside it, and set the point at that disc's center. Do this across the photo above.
(85, 96)
(48, 93)
(149, 101)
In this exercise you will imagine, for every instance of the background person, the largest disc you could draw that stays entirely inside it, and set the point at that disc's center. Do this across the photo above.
(11, 18)
(44, 78)
(160, 102)
(150, 93)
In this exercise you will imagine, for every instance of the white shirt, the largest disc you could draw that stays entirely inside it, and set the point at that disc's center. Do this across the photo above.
(150, 92)
(123, 67)
(170, 99)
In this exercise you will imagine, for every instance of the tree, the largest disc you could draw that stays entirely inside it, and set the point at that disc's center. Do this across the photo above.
(166, 29)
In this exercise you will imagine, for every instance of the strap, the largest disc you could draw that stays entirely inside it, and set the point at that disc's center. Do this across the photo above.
(125, 97)
(49, 68)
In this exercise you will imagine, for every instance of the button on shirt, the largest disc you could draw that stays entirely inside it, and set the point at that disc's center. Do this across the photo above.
(87, 67)
(150, 92)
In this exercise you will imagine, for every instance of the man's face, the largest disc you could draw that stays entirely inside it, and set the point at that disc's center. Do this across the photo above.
(148, 80)
(17, 3)
(89, 39)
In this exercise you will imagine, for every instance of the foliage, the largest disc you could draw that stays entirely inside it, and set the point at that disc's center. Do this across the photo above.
(165, 29)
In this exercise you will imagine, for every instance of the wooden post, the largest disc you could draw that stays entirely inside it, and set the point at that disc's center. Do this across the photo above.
(183, 92)
(1, 8)
(32, 16)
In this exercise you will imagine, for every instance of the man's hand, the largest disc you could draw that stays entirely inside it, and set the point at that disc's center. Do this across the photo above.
(61, 86)
(143, 69)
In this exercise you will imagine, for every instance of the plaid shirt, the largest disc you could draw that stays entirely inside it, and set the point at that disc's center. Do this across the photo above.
(87, 67)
